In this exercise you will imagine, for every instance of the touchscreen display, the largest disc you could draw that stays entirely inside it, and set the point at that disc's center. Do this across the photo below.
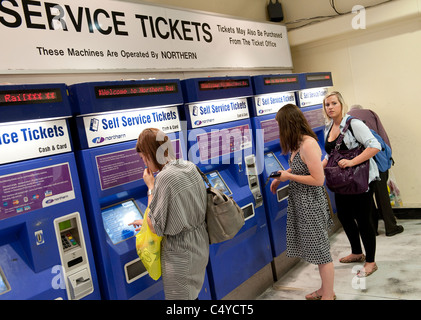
(217, 182)
(4, 287)
(272, 164)
(117, 217)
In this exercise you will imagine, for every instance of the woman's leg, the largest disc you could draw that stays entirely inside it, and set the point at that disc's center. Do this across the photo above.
(345, 205)
(327, 272)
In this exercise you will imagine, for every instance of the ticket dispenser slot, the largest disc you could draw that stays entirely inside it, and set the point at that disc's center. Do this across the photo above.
(73, 255)
(253, 180)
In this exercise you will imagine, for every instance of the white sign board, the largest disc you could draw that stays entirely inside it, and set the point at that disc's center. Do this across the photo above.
(76, 35)
(108, 128)
(272, 102)
(218, 111)
(311, 97)
(28, 140)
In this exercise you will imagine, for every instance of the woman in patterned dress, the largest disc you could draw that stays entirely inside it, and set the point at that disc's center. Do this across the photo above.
(177, 202)
(308, 217)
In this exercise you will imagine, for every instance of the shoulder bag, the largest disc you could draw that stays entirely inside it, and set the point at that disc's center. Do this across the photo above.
(224, 218)
(350, 180)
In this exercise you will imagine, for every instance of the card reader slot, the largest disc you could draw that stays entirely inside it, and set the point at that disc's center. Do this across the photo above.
(74, 262)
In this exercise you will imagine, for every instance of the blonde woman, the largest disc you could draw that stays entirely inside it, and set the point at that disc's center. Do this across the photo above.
(354, 210)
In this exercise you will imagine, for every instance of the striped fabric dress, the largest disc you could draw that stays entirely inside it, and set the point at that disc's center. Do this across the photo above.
(177, 212)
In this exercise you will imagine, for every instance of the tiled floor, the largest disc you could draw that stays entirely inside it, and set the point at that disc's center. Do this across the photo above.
(398, 277)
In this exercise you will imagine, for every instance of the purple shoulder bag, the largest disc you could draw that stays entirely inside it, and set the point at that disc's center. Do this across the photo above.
(350, 180)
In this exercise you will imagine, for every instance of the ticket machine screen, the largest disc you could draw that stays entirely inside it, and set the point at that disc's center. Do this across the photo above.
(218, 183)
(4, 287)
(272, 164)
(117, 217)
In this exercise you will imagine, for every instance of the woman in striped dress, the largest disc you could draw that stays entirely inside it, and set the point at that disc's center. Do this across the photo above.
(177, 203)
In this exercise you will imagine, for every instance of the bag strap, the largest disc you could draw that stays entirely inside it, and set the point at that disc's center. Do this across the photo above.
(203, 176)
(341, 136)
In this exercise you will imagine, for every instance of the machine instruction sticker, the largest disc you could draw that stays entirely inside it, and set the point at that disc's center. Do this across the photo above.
(270, 130)
(26, 191)
(221, 142)
(315, 118)
(119, 168)
(125, 166)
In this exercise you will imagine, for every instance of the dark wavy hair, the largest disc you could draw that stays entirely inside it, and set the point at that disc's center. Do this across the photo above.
(293, 125)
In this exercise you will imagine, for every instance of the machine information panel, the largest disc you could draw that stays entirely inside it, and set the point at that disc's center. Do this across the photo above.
(270, 130)
(315, 118)
(116, 219)
(121, 167)
(26, 191)
(220, 142)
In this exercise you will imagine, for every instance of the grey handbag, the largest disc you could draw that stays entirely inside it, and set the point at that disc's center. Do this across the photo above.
(224, 218)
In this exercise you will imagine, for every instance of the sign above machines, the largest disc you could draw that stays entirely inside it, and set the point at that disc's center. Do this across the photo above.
(217, 111)
(108, 128)
(272, 102)
(69, 35)
(28, 140)
(311, 97)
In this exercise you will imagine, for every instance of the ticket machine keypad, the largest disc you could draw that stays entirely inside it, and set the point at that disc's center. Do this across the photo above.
(68, 241)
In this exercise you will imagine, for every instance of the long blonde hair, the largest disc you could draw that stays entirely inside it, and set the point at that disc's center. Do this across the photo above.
(341, 101)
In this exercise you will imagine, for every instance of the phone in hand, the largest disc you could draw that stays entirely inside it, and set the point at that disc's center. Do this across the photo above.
(275, 174)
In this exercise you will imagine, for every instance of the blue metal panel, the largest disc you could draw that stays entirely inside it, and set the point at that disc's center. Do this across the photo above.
(234, 261)
(114, 260)
(28, 266)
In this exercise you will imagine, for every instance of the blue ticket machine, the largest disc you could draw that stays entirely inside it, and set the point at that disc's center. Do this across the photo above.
(45, 248)
(220, 142)
(272, 92)
(313, 88)
(109, 118)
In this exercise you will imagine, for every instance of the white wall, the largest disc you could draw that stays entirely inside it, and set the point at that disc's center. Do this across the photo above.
(379, 68)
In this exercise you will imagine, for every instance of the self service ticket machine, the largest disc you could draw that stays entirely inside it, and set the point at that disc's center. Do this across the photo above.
(313, 88)
(45, 248)
(220, 142)
(109, 118)
(272, 92)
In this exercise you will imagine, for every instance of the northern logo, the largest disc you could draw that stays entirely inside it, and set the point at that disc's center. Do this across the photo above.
(98, 140)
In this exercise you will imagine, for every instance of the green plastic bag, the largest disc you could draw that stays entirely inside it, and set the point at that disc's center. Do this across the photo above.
(148, 247)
